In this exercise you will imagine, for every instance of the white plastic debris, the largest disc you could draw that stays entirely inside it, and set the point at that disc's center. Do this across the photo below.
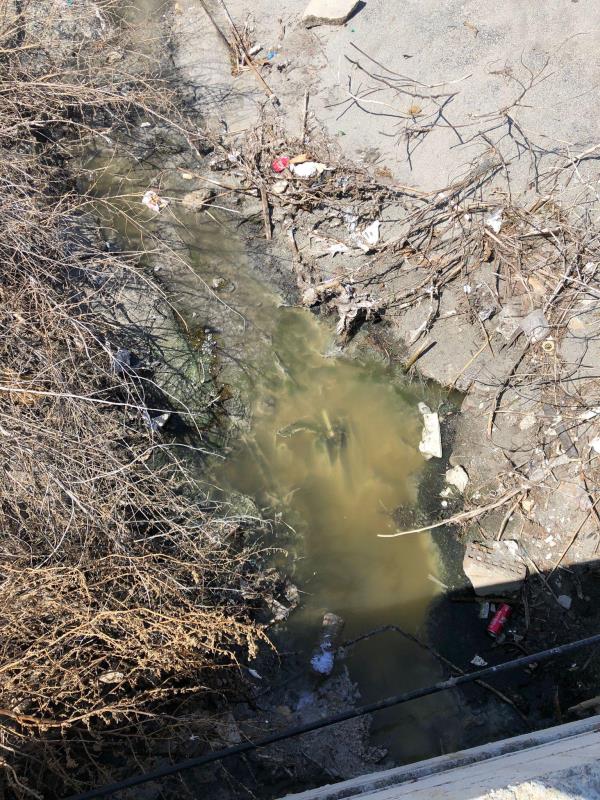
(478, 661)
(308, 169)
(457, 477)
(564, 600)
(494, 220)
(255, 674)
(484, 610)
(154, 201)
(595, 444)
(431, 438)
(371, 232)
(351, 221)
(322, 662)
(279, 187)
(323, 657)
(111, 677)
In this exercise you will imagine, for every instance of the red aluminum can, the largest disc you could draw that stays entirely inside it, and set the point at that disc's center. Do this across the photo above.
(499, 620)
(279, 164)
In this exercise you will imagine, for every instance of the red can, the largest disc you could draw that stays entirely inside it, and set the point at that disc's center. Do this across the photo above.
(279, 164)
(499, 620)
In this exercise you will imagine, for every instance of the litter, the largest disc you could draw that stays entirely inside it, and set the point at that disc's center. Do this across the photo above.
(279, 164)
(336, 249)
(564, 601)
(431, 439)
(548, 345)
(478, 661)
(494, 220)
(256, 48)
(499, 620)
(371, 233)
(457, 477)
(111, 677)
(154, 201)
(595, 444)
(279, 187)
(484, 610)
(308, 169)
(255, 674)
(271, 55)
(351, 221)
(323, 658)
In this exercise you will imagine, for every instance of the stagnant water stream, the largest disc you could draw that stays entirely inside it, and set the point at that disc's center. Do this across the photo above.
(332, 449)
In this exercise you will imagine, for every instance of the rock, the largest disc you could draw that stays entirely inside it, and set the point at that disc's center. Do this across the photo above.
(196, 200)
(457, 477)
(564, 600)
(329, 12)
(493, 567)
(535, 326)
(431, 439)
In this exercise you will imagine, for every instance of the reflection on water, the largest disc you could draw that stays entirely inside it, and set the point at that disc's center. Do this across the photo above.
(335, 442)
(334, 446)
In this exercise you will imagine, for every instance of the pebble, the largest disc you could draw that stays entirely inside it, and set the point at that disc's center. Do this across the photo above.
(564, 600)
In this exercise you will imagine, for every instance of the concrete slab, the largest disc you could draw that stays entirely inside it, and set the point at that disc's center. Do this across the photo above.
(561, 762)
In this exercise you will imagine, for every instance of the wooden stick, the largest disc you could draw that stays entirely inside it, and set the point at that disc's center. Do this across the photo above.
(463, 517)
(266, 211)
(248, 59)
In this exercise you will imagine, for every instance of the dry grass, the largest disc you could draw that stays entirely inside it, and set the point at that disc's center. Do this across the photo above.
(119, 591)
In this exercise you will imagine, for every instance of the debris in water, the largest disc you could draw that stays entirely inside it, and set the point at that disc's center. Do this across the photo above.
(431, 438)
(255, 674)
(457, 477)
(153, 201)
(437, 581)
(323, 658)
(564, 600)
(478, 661)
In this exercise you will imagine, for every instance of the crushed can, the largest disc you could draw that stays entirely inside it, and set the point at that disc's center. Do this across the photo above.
(499, 620)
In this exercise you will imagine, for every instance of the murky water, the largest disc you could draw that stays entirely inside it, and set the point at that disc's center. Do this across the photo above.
(331, 452)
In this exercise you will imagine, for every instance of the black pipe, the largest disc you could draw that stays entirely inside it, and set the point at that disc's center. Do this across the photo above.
(405, 697)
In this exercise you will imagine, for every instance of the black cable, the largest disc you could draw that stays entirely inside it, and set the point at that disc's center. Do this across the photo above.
(414, 694)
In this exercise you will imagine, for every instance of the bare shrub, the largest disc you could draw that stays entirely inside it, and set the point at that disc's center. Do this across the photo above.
(119, 589)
